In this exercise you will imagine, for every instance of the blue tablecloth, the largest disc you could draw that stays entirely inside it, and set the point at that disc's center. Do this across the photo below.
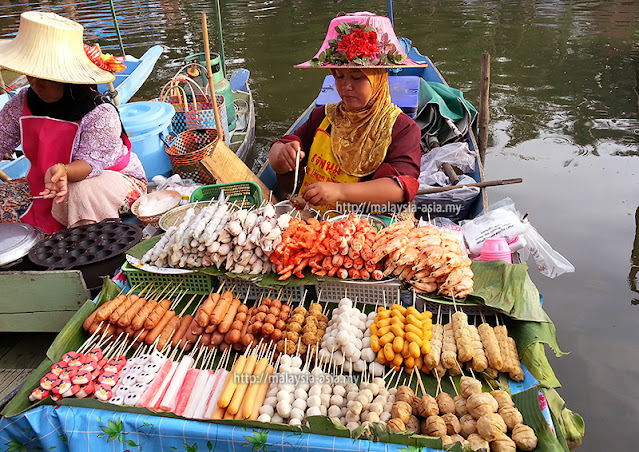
(63, 428)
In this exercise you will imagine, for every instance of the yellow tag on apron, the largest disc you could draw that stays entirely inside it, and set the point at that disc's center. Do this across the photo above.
(322, 166)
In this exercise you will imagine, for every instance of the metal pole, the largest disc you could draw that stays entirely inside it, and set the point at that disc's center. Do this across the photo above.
(390, 11)
(219, 30)
(117, 28)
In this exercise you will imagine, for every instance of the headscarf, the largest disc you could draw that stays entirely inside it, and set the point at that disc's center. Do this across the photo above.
(77, 101)
(360, 139)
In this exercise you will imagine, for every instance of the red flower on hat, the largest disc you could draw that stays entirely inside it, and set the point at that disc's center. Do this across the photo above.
(104, 61)
(359, 43)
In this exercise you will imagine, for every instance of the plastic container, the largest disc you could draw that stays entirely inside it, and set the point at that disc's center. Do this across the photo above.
(496, 248)
(147, 124)
(367, 292)
(244, 194)
(221, 84)
(191, 283)
(404, 92)
(242, 288)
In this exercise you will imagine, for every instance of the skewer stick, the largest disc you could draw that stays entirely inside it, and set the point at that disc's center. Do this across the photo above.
(189, 304)
(135, 287)
(454, 385)
(410, 380)
(419, 380)
(132, 342)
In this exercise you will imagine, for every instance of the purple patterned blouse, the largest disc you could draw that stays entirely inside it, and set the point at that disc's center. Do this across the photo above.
(97, 142)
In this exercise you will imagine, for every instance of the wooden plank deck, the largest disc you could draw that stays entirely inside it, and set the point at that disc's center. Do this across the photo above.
(20, 353)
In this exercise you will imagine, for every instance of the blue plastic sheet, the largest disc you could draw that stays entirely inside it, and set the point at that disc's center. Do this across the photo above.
(63, 428)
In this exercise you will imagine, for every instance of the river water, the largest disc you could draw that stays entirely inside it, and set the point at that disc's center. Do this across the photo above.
(564, 116)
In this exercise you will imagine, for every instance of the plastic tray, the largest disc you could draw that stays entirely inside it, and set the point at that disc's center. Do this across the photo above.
(255, 292)
(192, 283)
(471, 309)
(244, 194)
(369, 292)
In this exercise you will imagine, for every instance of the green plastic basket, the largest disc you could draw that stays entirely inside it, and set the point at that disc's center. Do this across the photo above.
(192, 283)
(244, 194)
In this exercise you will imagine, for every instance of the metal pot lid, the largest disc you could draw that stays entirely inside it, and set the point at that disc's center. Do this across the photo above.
(16, 239)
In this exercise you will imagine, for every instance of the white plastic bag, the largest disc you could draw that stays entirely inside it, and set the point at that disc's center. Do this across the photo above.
(501, 219)
(549, 262)
(457, 154)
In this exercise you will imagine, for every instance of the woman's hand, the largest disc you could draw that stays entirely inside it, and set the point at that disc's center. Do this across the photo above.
(55, 184)
(283, 156)
(321, 193)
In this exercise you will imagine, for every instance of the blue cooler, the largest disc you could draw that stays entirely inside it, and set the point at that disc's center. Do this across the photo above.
(404, 92)
(147, 124)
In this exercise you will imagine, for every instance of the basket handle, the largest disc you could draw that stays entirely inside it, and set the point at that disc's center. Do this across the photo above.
(165, 92)
(175, 83)
(188, 65)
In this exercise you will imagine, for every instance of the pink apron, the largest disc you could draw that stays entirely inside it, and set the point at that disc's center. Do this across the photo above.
(45, 142)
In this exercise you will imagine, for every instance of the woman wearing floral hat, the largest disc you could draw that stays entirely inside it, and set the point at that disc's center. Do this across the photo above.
(82, 169)
(362, 149)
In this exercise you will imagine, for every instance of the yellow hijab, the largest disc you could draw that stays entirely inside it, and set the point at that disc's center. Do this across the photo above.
(360, 139)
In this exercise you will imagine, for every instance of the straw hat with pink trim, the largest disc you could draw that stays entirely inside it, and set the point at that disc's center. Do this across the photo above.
(359, 40)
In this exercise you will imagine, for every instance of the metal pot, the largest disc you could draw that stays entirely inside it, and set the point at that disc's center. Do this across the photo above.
(16, 240)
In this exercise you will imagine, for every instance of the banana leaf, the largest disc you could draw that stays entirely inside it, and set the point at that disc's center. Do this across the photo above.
(509, 289)
(528, 404)
(20, 401)
(72, 335)
(571, 425)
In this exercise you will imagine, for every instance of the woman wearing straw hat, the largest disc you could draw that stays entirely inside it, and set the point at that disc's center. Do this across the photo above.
(82, 169)
(362, 149)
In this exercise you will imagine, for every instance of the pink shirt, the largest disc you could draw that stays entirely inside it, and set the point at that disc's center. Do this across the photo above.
(98, 140)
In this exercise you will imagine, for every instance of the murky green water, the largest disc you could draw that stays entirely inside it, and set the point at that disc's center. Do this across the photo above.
(564, 117)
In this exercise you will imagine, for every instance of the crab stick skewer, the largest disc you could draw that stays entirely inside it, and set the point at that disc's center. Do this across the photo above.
(195, 392)
(169, 400)
(161, 382)
(205, 395)
(220, 378)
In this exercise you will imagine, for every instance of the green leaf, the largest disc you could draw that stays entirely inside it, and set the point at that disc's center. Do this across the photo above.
(209, 445)
(15, 446)
(99, 419)
(120, 438)
(100, 435)
(173, 448)
(64, 438)
(131, 443)
(252, 440)
(192, 448)
(262, 436)
(527, 402)
(107, 430)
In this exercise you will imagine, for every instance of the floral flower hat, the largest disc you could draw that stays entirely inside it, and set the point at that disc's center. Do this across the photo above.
(358, 40)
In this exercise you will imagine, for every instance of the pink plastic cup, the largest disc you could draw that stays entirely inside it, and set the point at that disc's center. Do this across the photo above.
(496, 248)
